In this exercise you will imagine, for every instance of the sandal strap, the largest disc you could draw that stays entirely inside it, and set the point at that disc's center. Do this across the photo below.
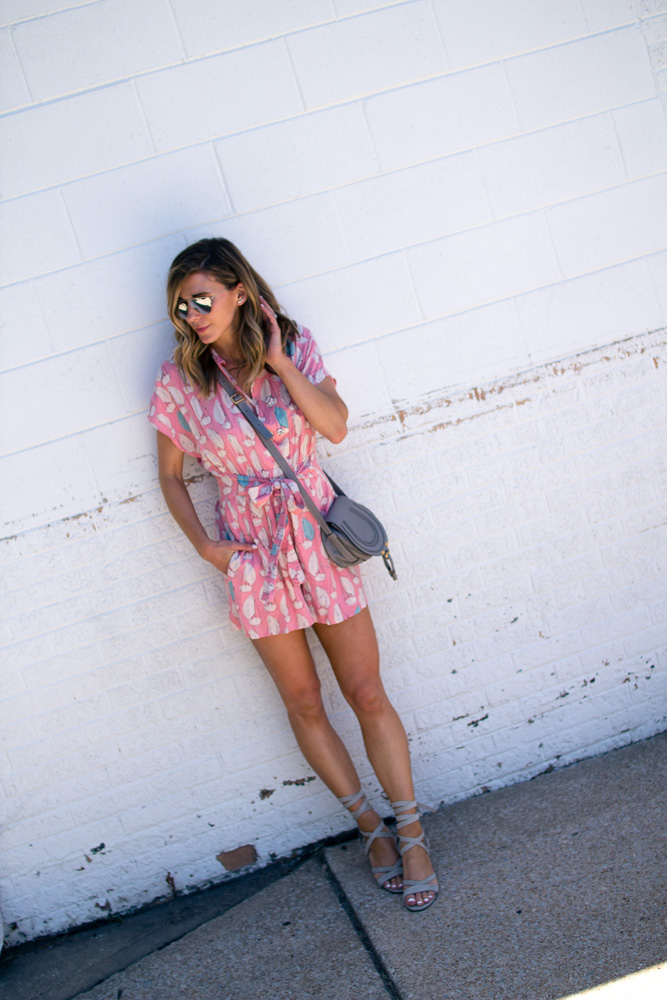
(380, 831)
(388, 871)
(382, 873)
(405, 818)
(348, 800)
(367, 836)
(406, 844)
(428, 884)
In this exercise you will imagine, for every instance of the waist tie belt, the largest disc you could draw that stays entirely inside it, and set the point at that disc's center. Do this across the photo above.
(284, 496)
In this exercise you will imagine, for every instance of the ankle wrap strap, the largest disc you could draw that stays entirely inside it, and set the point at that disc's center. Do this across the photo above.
(403, 817)
(369, 836)
(348, 800)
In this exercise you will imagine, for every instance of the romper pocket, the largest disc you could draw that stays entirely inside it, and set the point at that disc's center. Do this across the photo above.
(234, 563)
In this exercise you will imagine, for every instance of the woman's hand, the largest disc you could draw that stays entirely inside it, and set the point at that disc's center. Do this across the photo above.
(219, 554)
(321, 404)
(274, 348)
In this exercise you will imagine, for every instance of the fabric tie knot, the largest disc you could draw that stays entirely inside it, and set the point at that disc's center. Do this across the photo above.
(284, 496)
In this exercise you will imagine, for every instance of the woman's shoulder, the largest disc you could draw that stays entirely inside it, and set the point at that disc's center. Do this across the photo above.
(172, 383)
(168, 366)
(170, 373)
(303, 337)
(307, 356)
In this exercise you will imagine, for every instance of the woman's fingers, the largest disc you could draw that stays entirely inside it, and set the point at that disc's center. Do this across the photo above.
(238, 547)
(266, 307)
(270, 315)
(219, 553)
(274, 348)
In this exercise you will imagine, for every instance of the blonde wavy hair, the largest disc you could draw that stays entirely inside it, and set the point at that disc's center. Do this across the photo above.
(226, 264)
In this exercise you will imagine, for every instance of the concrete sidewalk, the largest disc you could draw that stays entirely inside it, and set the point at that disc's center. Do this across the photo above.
(548, 889)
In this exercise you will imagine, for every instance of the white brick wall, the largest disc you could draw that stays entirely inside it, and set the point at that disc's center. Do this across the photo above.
(459, 198)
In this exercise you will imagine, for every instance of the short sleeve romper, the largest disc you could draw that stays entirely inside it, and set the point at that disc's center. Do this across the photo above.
(288, 582)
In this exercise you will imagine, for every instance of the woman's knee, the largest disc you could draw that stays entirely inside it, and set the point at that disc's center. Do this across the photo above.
(305, 703)
(367, 697)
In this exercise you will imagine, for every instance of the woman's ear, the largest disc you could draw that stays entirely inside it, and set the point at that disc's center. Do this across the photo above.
(241, 296)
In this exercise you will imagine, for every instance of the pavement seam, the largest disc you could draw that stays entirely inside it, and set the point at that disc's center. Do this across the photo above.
(359, 929)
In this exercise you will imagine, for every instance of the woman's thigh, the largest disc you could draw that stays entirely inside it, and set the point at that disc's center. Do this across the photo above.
(352, 648)
(290, 663)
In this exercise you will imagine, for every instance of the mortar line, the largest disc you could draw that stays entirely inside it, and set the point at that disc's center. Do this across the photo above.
(359, 929)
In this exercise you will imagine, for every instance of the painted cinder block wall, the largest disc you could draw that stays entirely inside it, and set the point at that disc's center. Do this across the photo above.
(465, 201)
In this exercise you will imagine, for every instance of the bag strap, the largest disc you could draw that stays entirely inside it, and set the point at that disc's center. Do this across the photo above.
(266, 436)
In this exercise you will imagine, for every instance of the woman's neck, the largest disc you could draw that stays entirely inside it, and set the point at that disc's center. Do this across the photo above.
(229, 360)
(227, 349)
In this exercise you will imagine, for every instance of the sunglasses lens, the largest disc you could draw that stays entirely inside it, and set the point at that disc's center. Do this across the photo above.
(201, 304)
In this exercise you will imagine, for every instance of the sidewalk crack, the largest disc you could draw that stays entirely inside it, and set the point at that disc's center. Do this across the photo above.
(359, 929)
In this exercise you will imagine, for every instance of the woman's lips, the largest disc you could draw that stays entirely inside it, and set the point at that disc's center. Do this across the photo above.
(202, 329)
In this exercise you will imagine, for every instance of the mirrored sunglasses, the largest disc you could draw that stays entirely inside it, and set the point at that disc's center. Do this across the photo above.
(200, 303)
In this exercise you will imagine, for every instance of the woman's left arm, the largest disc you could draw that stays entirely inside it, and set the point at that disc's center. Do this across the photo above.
(320, 403)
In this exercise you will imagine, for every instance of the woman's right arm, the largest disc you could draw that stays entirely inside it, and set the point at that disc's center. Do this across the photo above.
(174, 490)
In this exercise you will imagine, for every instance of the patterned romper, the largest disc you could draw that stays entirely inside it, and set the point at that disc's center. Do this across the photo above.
(288, 582)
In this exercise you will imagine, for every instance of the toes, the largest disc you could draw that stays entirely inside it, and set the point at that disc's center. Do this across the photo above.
(415, 901)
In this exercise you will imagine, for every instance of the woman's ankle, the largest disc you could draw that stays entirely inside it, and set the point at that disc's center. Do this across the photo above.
(369, 820)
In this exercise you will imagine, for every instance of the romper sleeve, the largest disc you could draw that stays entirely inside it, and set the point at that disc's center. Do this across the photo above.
(308, 359)
(166, 410)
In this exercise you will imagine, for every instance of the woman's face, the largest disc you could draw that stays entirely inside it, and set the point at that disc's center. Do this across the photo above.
(219, 326)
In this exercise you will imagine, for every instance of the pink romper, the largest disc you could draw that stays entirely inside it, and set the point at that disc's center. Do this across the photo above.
(288, 582)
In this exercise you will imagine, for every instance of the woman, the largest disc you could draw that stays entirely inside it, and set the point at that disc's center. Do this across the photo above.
(279, 578)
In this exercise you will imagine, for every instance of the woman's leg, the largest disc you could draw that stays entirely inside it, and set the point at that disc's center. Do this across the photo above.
(289, 661)
(353, 652)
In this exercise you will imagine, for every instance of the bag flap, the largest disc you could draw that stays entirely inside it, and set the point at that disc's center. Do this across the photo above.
(358, 523)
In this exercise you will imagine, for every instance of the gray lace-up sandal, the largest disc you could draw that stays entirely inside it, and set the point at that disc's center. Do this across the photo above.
(405, 844)
(381, 873)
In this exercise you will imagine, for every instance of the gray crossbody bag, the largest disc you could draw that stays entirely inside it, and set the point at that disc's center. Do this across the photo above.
(351, 532)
